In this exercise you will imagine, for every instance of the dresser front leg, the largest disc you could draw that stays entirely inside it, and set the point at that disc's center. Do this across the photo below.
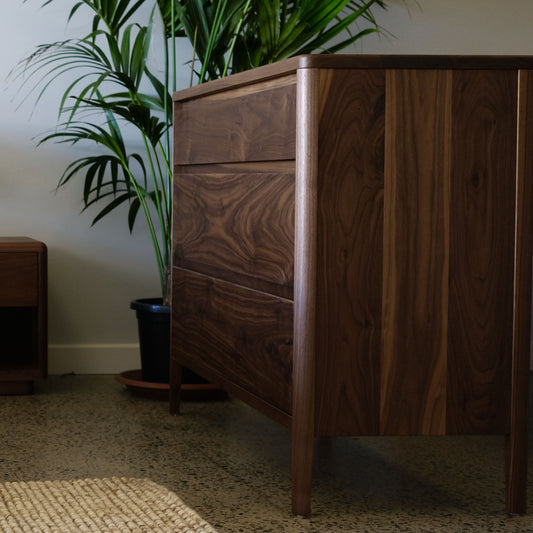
(302, 469)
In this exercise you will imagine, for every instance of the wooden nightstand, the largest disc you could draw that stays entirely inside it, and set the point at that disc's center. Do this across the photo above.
(23, 314)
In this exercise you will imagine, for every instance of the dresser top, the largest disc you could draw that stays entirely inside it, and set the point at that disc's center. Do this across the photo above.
(357, 61)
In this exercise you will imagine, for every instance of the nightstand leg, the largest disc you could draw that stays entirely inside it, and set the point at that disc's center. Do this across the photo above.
(175, 387)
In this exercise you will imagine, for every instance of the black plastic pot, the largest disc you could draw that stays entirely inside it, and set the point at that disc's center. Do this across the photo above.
(153, 320)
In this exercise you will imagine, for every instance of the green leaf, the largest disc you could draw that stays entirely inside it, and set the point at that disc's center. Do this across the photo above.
(111, 206)
(132, 213)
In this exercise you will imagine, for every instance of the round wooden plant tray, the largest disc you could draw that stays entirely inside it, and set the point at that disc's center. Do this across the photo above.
(132, 380)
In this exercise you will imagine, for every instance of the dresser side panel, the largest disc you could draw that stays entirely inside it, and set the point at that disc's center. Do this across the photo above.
(482, 249)
(350, 251)
(416, 255)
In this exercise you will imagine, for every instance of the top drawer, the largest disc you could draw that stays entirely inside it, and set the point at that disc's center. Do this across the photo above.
(18, 279)
(252, 124)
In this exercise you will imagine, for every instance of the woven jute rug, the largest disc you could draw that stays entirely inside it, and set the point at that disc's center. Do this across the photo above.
(122, 505)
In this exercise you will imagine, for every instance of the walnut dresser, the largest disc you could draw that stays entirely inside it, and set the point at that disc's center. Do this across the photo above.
(352, 248)
(23, 314)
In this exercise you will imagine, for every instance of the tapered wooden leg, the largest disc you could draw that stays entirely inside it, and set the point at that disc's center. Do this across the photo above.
(175, 387)
(302, 468)
(517, 445)
(517, 440)
(516, 474)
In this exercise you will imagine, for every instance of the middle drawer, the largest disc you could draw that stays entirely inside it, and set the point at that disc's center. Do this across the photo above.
(237, 227)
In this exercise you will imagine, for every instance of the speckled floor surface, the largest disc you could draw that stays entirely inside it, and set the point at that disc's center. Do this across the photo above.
(232, 465)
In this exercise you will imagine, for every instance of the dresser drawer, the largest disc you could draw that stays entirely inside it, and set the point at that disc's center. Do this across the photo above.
(237, 227)
(244, 336)
(18, 279)
(237, 127)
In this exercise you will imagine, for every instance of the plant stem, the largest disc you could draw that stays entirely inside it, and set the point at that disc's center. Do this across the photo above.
(234, 40)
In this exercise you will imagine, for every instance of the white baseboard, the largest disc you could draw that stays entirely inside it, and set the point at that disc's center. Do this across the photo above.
(92, 358)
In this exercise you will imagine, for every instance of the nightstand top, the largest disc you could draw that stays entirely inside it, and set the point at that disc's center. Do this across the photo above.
(21, 244)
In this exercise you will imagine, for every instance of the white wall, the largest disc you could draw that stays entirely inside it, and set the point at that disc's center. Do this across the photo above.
(453, 27)
(95, 272)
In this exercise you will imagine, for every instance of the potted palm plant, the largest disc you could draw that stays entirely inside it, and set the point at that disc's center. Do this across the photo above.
(113, 95)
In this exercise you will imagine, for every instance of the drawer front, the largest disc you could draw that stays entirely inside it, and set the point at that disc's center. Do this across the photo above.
(18, 279)
(242, 335)
(237, 227)
(257, 125)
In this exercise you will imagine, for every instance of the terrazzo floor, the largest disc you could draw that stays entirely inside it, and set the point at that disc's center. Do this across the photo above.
(232, 465)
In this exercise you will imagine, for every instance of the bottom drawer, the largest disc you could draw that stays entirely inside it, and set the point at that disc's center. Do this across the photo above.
(243, 335)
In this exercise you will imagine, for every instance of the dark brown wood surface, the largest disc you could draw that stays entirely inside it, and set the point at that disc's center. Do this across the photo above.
(305, 289)
(19, 280)
(414, 62)
(239, 128)
(238, 227)
(482, 240)
(517, 438)
(243, 334)
(289, 67)
(350, 237)
(415, 271)
(21, 244)
(411, 252)
(23, 314)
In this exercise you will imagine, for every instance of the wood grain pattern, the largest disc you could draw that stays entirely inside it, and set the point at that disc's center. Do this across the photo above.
(350, 252)
(481, 263)
(242, 334)
(415, 271)
(237, 227)
(18, 279)
(237, 129)
(252, 89)
(517, 440)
